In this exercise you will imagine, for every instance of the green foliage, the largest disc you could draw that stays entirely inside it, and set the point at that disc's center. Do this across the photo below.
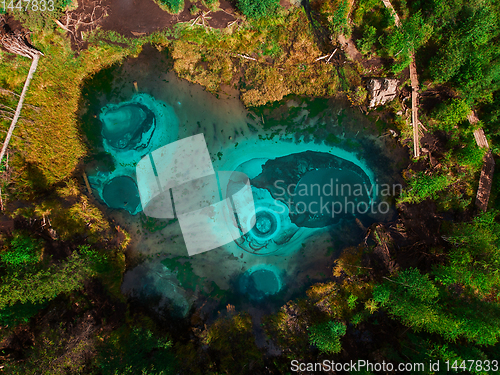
(368, 40)
(422, 348)
(451, 113)
(474, 259)
(358, 318)
(422, 186)
(406, 39)
(22, 251)
(490, 116)
(34, 18)
(57, 350)
(231, 337)
(258, 8)
(351, 301)
(338, 21)
(136, 351)
(42, 285)
(19, 313)
(271, 48)
(470, 156)
(366, 9)
(416, 286)
(194, 10)
(173, 6)
(326, 336)
(420, 304)
(467, 51)
(288, 327)
(358, 97)
(211, 4)
(99, 263)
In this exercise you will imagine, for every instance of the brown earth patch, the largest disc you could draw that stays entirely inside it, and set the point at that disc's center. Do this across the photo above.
(13, 24)
(141, 17)
(136, 18)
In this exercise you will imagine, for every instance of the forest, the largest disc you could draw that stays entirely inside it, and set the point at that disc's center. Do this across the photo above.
(422, 288)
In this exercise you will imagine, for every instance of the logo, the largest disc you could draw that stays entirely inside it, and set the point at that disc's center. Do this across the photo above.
(213, 208)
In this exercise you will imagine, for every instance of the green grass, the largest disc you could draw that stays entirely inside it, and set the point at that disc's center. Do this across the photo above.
(211, 59)
(171, 6)
(50, 138)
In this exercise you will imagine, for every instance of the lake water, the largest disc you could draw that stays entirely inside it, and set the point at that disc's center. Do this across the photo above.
(297, 154)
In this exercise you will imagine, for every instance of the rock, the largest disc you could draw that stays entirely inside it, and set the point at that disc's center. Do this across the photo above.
(382, 90)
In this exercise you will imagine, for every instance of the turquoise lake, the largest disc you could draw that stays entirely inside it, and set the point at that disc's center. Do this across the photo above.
(297, 154)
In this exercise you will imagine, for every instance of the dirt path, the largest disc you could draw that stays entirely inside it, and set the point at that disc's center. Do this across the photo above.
(348, 45)
(350, 49)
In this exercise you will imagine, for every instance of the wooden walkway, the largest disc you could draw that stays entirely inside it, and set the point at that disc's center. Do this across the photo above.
(389, 6)
(414, 88)
(478, 133)
(481, 138)
(485, 182)
(486, 179)
(414, 106)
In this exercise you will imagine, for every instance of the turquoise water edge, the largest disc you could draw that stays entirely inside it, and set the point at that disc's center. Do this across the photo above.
(313, 142)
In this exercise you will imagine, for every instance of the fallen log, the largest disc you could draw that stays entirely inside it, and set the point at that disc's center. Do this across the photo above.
(16, 42)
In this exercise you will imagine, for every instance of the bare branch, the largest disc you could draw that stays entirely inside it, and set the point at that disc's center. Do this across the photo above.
(8, 92)
(247, 57)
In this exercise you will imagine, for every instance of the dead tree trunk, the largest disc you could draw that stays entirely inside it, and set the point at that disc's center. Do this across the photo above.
(17, 43)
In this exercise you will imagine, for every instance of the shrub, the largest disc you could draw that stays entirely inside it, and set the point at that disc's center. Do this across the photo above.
(339, 23)
(368, 40)
(45, 284)
(423, 186)
(258, 8)
(451, 113)
(194, 10)
(406, 39)
(173, 6)
(136, 351)
(471, 156)
(19, 313)
(326, 336)
(23, 250)
(211, 4)
(421, 304)
(474, 260)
